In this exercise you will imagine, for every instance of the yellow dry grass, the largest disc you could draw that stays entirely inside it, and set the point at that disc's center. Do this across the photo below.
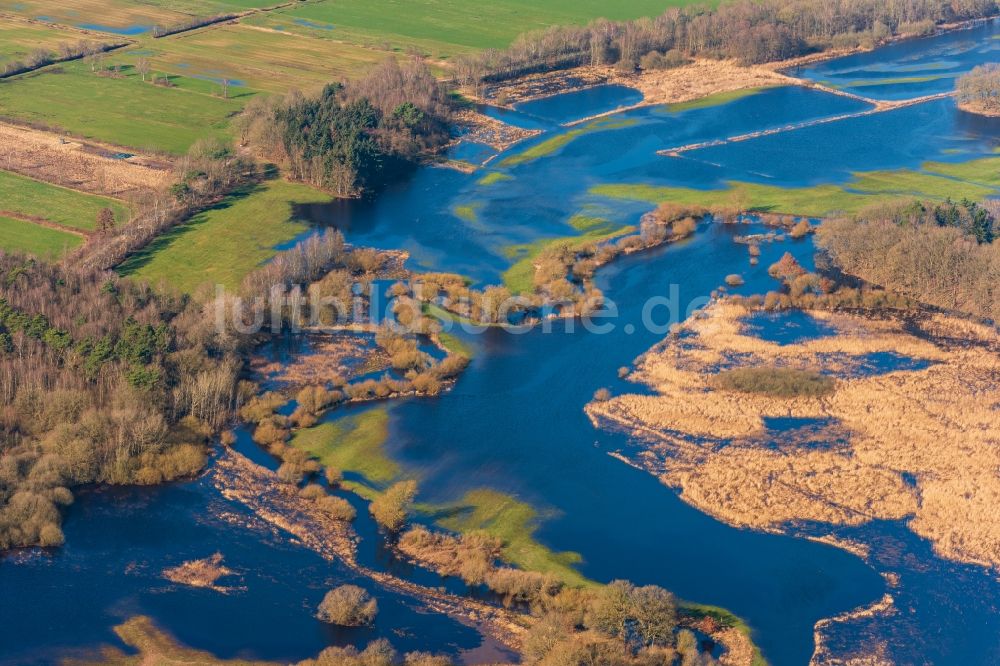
(701, 78)
(916, 444)
(82, 166)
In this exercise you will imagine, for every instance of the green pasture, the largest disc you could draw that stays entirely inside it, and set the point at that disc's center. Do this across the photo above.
(25, 197)
(224, 243)
(44, 242)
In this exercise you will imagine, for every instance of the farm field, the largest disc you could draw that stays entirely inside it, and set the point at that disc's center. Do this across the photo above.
(123, 111)
(447, 27)
(258, 59)
(24, 236)
(24, 197)
(224, 243)
(19, 38)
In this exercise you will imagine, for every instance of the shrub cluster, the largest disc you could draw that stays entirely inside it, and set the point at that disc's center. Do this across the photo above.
(777, 382)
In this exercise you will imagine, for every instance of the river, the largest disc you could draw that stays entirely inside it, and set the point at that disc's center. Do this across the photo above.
(514, 421)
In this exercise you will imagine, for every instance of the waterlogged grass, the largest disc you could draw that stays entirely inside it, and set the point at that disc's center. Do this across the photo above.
(261, 60)
(123, 111)
(543, 149)
(973, 180)
(111, 14)
(514, 523)
(985, 170)
(353, 444)
(588, 223)
(221, 245)
(23, 196)
(43, 242)
(519, 278)
(494, 177)
(154, 646)
(467, 212)
(455, 345)
(900, 80)
(718, 99)
(19, 38)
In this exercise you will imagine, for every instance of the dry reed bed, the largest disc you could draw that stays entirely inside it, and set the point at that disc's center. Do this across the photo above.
(490, 131)
(700, 78)
(82, 166)
(920, 445)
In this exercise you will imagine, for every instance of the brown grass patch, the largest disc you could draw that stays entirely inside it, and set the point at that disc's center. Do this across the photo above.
(85, 166)
(917, 444)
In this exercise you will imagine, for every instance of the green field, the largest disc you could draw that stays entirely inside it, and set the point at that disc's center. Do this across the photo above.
(25, 197)
(35, 239)
(445, 28)
(353, 444)
(115, 16)
(976, 180)
(513, 522)
(221, 245)
(112, 14)
(123, 111)
(259, 59)
(718, 99)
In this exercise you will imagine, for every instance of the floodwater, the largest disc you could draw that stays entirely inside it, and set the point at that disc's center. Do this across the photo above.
(514, 421)
(911, 68)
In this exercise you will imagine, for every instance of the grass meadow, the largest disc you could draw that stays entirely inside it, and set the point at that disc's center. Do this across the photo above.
(224, 243)
(43, 242)
(260, 60)
(123, 111)
(24, 197)
(444, 28)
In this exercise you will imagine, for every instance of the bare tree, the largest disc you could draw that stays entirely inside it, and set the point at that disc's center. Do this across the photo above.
(142, 65)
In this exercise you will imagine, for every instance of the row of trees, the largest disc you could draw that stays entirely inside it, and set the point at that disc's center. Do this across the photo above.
(353, 137)
(750, 31)
(979, 90)
(64, 51)
(942, 255)
(207, 173)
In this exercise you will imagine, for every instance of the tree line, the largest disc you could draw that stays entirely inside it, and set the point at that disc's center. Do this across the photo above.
(749, 31)
(353, 137)
(65, 52)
